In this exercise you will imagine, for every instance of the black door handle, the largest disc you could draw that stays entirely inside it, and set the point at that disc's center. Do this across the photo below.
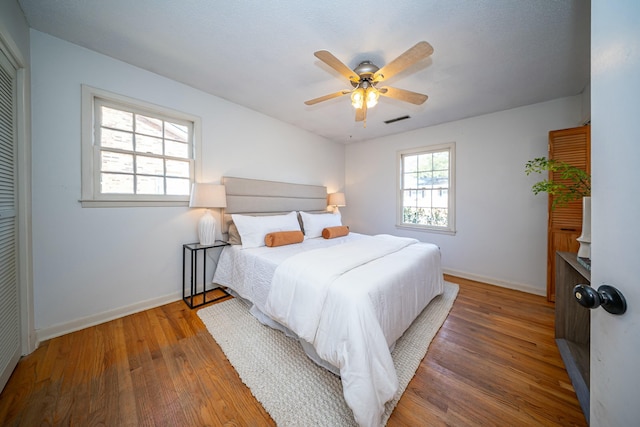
(606, 296)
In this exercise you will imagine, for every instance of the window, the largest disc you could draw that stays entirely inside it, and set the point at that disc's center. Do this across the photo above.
(135, 154)
(426, 188)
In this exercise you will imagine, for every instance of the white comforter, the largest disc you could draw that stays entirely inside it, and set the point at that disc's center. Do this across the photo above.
(352, 302)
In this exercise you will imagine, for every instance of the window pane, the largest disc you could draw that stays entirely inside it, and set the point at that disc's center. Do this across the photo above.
(413, 215)
(142, 153)
(425, 180)
(410, 180)
(176, 132)
(148, 125)
(441, 179)
(176, 149)
(410, 163)
(148, 144)
(149, 165)
(425, 216)
(409, 198)
(116, 162)
(149, 185)
(116, 119)
(424, 198)
(116, 139)
(440, 198)
(177, 168)
(441, 160)
(178, 186)
(438, 217)
(425, 162)
(111, 183)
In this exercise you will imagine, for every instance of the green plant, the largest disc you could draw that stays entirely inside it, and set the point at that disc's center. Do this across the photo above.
(573, 184)
(434, 216)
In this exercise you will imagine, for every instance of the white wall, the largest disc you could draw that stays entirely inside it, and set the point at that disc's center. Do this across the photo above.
(501, 225)
(92, 264)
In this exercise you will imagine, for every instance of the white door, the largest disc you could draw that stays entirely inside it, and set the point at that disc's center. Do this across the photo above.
(615, 215)
(10, 338)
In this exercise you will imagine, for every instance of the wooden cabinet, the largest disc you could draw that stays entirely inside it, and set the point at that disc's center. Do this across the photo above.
(565, 222)
(573, 325)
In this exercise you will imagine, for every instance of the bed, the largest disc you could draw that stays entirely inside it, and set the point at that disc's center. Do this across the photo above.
(347, 299)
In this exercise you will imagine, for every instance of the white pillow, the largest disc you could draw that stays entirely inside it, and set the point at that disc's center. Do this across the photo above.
(313, 224)
(253, 229)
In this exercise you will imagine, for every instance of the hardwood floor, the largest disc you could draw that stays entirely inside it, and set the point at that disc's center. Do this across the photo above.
(493, 362)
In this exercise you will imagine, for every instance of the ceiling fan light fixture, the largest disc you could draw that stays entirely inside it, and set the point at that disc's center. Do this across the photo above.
(357, 97)
(372, 96)
(367, 75)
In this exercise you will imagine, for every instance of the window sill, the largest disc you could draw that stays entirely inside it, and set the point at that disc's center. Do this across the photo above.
(426, 229)
(132, 203)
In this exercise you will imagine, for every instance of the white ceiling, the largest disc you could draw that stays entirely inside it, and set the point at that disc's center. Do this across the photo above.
(489, 55)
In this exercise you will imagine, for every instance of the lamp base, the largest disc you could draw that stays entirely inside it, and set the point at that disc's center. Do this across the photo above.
(207, 229)
(584, 250)
(585, 237)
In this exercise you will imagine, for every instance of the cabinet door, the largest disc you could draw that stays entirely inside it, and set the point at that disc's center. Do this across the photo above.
(565, 222)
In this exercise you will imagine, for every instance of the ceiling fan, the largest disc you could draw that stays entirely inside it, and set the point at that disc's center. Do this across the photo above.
(366, 77)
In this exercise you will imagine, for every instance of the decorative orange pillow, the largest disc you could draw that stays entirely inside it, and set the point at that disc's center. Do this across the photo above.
(338, 231)
(281, 238)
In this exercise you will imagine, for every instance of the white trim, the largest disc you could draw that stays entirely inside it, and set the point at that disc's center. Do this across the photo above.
(25, 246)
(497, 282)
(23, 174)
(89, 173)
(451, 228)
(129, 203)
(426, 229)
(106, 316)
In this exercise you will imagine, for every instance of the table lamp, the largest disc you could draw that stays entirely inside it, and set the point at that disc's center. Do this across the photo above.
(207, 196)
(335, 200)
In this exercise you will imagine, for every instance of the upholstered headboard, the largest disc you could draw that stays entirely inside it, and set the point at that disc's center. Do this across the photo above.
(258, 197)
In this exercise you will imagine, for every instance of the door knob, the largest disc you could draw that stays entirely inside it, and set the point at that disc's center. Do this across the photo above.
(606, 296)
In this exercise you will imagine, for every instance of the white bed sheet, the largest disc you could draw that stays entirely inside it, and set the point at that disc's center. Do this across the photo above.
(368, 310)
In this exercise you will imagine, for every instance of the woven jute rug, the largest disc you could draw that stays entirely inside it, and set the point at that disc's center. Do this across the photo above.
(292, 388)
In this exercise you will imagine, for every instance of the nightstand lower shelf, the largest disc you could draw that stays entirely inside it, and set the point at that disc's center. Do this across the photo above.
(212, 295)
(197, 293)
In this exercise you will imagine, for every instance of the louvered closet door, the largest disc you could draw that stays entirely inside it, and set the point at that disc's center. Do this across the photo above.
(9, 304)
(565, 222)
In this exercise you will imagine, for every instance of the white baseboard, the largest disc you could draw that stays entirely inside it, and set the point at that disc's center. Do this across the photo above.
(95, 319)
(497, 282)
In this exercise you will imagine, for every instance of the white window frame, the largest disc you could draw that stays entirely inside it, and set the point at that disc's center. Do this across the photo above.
(451, 227)
(91, 195)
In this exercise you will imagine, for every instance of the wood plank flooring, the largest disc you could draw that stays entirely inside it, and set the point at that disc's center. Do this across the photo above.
(493, 362)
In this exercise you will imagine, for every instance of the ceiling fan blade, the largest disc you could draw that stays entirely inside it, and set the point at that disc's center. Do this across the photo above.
(333, 62)
(361, 113)
(420, 51)
(403, 95)
(327, 97)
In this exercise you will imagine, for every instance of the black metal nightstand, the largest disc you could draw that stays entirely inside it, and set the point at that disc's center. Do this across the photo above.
(195, 298)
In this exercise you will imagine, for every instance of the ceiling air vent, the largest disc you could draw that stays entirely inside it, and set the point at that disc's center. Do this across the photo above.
(397, 119)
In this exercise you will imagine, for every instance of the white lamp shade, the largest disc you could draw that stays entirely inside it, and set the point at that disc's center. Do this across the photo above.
(337, 199)
(208, 196)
